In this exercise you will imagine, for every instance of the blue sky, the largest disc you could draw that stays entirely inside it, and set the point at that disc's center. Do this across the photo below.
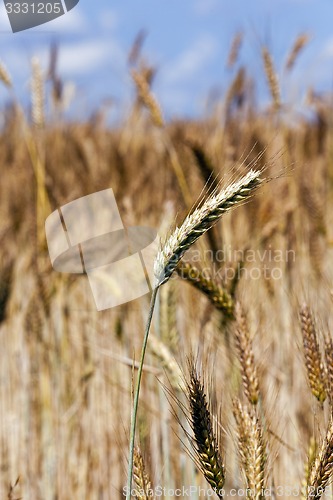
(188, 41)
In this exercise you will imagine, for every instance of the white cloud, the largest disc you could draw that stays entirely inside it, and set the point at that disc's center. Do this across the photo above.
(191, 61)
(4, 21)
(328, 48)
(71, 22)
(108, 19)
(205, 6)
(87, 56)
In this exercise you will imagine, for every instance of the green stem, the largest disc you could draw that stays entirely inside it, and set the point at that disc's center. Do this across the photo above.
(136, 394)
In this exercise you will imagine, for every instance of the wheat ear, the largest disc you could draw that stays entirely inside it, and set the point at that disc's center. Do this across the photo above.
(251, 447)
(309, 464)
(271, 76)
(219, 297)
(329, 367)
(5, 77)
(301, 41)
(200, 220)
(147, 98)
(205, 441)
(142, 482)
(312, 356)
(37, 94)
(322, 467)
(246, 357)
(235, 49)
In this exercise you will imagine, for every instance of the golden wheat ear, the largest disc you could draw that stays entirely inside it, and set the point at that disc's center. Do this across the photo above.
(322, 468)
(205, 441)
(312, 355)
(143, 486)
(251, 448)
(272, 79)
(216, 293)
(200, 220)
(246, 357)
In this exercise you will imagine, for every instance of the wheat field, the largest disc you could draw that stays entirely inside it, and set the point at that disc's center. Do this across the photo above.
(237, 386)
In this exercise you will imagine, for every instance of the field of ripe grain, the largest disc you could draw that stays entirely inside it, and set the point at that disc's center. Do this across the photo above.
(237, 386)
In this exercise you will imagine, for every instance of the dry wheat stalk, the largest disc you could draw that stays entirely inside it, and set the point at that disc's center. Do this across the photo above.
(251, 448)
(271, 77)
(5, 76)
(219, 297)
(301, 41)
(205, 441)
(37, 94)
(246, 357)
(143, 488)
(200, 220)
(322, 468)
(312, 356)
(148, 99)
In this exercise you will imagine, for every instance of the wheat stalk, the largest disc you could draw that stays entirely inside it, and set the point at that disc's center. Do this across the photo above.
(200, 220)
(312, 356)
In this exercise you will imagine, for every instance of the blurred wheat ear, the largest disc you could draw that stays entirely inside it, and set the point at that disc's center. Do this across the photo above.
(312, 355)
